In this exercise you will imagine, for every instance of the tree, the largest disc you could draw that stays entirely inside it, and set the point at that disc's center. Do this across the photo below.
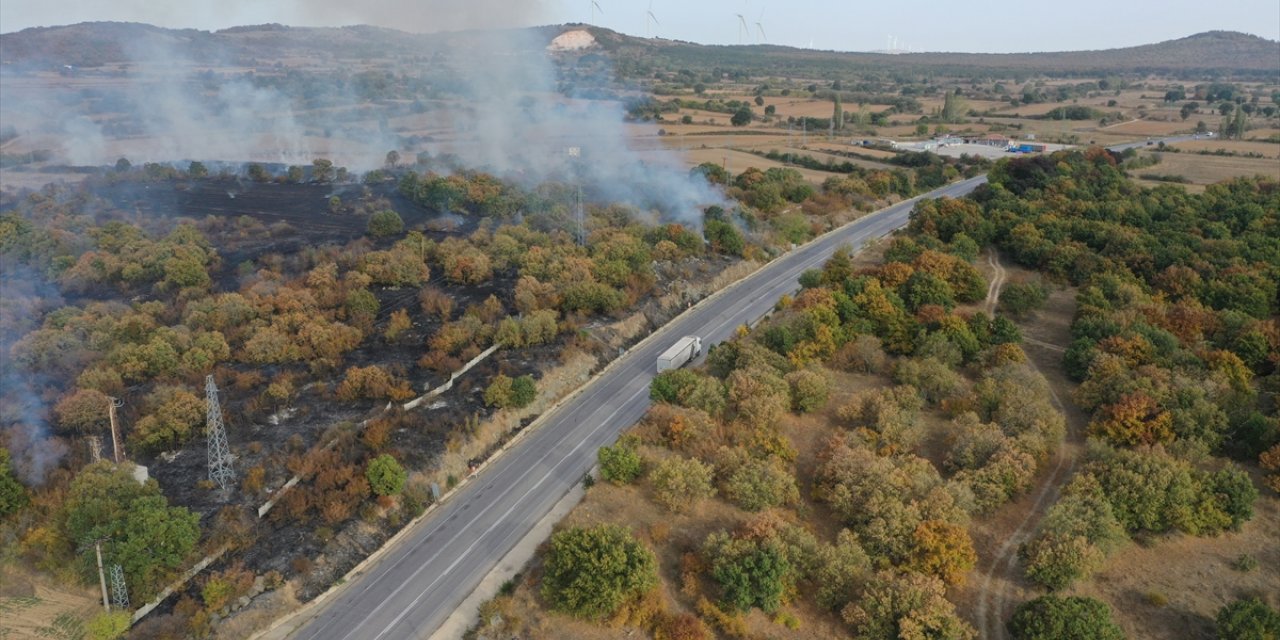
(751, 573)
(590, 573)
(523, 391)
(322, 170)
(82, 411)
(393, 158)
(1270, 461)
(498, 393)
(148, 537)
(385, 223)
(386, 476)
(13, 495)
(1248, 619)
(197, 170)
(809, 390)
(760, 484)
(741, 117)
(619, 464)
(837, 114)
(679, 483)
(1056, 618)
(942, 549)
(723, 237)
(907, 606)
(173, 414)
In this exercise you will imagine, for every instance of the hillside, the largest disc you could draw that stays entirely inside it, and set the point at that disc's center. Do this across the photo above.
(98, 43)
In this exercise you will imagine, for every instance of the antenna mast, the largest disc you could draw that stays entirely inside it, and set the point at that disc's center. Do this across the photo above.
(220, 470)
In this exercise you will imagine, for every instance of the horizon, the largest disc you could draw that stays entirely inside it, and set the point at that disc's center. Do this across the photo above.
(907, 29)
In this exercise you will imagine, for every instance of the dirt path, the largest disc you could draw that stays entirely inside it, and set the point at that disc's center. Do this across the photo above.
(997, 281)
(1000, 576)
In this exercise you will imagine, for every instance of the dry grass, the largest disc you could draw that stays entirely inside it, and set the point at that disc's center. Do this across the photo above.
(1267, 149)
(1151, 128)
(33, 607)
(1204, 170)
(1194, 574)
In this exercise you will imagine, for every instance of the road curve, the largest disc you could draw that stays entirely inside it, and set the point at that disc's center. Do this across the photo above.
(416, 585)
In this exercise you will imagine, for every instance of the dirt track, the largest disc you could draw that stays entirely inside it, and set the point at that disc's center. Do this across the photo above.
(999, 574)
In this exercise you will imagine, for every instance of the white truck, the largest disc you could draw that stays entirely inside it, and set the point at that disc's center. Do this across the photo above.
(680, 353)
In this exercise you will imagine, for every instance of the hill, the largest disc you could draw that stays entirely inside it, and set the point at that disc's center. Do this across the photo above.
(99, 43)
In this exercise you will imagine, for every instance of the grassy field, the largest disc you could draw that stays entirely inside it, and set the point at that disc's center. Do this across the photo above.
(1202, 170)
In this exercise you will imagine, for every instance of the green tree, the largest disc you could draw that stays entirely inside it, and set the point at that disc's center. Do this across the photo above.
(322, 170)
(386, 476)
(197, 170)
(523, 391)
(385, 223)
(619, 464)
(1072, 618)
(147, 537)
(760, 484)
(1248, 619)
(723, 237)
(13, 495)
(590, 573)
(498, 393)
(751, 573)
(809, 390)
(741, 117)
(837, 114)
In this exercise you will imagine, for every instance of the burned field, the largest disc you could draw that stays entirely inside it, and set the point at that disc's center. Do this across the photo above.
(320, 330)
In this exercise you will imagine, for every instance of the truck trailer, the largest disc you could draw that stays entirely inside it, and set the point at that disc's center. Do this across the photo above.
(684, 350)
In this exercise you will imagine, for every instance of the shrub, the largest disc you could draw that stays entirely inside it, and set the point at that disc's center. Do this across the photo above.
(679, 483)
(1248, 619)
(619, 464)
(590, 573)
(894, 602)
(108, 626)
(1073, 618)
(386, 476)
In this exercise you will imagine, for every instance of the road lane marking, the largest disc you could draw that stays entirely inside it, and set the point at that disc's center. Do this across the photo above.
(481, 537)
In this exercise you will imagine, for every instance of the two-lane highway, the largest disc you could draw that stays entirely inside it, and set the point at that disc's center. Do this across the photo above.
(423, 578)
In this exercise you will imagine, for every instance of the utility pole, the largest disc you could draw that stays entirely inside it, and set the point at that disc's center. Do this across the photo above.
(102, 577)
(116, 444)
(220, 470)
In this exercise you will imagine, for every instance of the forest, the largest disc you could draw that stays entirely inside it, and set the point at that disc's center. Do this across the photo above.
(822, 471)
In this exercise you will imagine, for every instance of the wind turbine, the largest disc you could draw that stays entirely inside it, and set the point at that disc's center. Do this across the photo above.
(760, 26)
(742, 26)
(649, 17)
(594, 7)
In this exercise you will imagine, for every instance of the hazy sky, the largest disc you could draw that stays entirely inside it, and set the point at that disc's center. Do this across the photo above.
(921, 25)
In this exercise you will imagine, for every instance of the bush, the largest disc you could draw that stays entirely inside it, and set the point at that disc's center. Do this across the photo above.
(386, 476)
(108, 626)
(385, 223)
(1248, 619)
(619, 464)
(590, 573)
(679, 483)
(1054, 618)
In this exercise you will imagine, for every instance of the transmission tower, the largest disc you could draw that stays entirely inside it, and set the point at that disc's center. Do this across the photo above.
(119, 591)
(220, 470)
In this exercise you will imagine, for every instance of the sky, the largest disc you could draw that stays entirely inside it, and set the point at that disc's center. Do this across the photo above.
(994, 26)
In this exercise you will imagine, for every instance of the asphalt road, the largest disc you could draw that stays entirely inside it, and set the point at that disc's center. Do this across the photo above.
(414, 588)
